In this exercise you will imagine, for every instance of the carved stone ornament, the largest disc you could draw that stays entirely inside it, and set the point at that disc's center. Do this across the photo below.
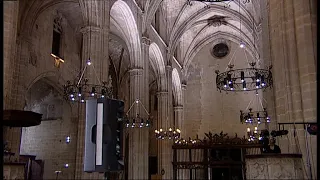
(33, 58)
(217, 21)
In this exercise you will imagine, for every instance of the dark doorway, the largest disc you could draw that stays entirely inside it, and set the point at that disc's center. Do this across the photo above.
(153, 165)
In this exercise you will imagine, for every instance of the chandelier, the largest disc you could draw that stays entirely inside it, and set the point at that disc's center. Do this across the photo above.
(243, 79)
(167, 133)
(253, 135)
(137, 121)
(190, 141)
(247, 79)
(260, 115)
(81, 89)
(254, 117)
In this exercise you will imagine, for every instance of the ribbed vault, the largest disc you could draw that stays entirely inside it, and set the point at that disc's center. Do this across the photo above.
(122, 18)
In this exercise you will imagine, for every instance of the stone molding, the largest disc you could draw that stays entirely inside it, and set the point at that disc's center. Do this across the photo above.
(169, 68)
(178, 108)
(87, 29)
(162, 93)
(136, 72)
(146, 41)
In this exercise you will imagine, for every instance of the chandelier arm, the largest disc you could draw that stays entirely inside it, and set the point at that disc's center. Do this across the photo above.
(130, 108)
(144, 108)
(231, 58)
(137, 108)
(265, 101)
(95, 72)
(261, 103)
(249, 104)
(84, 70)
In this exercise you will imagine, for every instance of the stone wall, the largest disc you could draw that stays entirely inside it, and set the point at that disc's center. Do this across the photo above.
(293, 53)
(274, 168)
(48, 140)
(207, 109)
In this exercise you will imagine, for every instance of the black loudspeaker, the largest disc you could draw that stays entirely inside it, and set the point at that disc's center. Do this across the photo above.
(103, 135)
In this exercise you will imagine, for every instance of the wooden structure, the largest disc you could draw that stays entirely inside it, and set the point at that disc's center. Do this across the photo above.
(217, 155)
(26, 167)
(17, 118)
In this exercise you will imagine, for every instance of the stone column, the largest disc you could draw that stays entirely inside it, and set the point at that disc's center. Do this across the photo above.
(163, 145)
(9, 48)
(12, 87)
(94, 47)
(183, 128)
(178, 116)
(138, 137)
(294, 58)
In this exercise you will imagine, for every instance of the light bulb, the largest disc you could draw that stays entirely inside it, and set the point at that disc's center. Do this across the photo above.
(66, 165)
(241, 45)
(71, 95)
(231, 89)
(230, 82)
(102, 96)
(79, 94)
(160, 130)
(170, 129)
(225, 86)
(248, 129)
(82, 100)
(89, 62)
(72, 99)
(258, 80)
(244, 88)
(68, 139)
(92, 94)
(257, 87)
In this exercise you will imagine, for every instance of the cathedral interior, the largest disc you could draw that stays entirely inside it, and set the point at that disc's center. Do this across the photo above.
(160, 89)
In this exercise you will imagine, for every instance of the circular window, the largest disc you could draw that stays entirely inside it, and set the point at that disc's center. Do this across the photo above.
(220, 50)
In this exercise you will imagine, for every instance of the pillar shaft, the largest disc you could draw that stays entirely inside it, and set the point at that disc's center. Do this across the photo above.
(138, 137)
(12, 98)
(96, 47)
(293, 54)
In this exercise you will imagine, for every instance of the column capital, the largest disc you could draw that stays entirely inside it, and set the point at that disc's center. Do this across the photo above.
(183, 86)
(146, 40)
(169, 68)
(135, 71)
(162, 93)
(178, 108)
(87, 29)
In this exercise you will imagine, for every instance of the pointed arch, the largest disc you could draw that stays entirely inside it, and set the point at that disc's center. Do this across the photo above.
(176, 87)
(124, 21)
(157, 62)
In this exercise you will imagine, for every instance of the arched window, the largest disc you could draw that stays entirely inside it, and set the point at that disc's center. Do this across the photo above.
(57, 41)
(56, 37)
